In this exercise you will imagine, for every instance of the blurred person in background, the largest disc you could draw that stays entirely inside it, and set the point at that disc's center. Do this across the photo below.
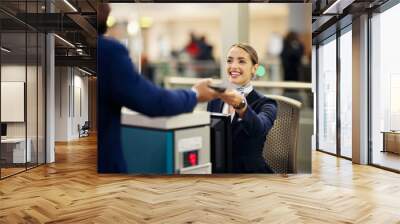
(291, 55)
(119, 84)
(147, 68)
(205, 50)
(204, 62)
(252, 114)
(192, 48)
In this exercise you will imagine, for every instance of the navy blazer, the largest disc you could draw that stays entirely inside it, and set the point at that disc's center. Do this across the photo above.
(249, 133)
(119, 84)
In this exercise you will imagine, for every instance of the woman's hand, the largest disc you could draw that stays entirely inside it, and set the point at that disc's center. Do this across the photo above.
(234, 98)
(231, 97)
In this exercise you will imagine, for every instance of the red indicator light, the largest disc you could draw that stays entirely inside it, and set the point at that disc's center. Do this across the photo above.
(191, 158)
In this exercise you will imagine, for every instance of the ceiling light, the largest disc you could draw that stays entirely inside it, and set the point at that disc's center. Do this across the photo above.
(79, 51)
(86, 72)
(337, 7)
(146, 22)
(79, 45)
(133, 28)
(5, 50)
(70, 5)
(331, 7)
(65, 41)
(110, 21)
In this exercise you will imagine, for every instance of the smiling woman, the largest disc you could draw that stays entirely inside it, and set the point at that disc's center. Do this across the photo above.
(242, 63)
(252, 114)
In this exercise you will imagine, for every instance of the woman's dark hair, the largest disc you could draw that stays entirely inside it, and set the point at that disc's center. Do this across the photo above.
(250, 50)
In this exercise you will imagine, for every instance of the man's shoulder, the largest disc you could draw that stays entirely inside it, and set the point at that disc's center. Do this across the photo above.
(108, 43)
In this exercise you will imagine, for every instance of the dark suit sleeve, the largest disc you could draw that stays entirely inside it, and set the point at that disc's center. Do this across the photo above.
(130, 89)
(211, 106)
(261, 123)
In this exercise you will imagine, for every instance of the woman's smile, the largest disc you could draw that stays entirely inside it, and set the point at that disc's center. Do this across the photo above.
(235, 74)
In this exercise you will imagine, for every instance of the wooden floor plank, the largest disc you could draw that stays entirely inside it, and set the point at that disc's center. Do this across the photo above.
(71, 191)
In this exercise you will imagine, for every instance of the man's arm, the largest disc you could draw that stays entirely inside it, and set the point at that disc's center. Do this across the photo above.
(130, 89)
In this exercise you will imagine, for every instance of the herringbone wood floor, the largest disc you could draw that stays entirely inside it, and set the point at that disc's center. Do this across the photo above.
(70, 191)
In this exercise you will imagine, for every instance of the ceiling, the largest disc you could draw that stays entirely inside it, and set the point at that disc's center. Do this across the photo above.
(190, 11)
(330, 15)
(79, 27)
(76, 25)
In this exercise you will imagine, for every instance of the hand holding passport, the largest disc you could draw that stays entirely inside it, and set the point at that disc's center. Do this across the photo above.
(220, 88)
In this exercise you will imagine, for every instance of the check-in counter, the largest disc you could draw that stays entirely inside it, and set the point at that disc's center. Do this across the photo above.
(166, 145)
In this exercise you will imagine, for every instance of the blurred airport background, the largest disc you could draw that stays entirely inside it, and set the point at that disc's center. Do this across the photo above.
(191, 40)
(175, 44)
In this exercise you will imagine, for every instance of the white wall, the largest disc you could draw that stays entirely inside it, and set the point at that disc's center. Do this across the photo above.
(12, 73)
(80, 94)
(33, 126)
(62, 83)
(261, 31)
(172, 23)
(176, 34)
(12, 101)
(71, 87)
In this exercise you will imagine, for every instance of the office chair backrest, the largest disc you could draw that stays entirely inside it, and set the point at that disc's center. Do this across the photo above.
(280, 147)
(86, 125)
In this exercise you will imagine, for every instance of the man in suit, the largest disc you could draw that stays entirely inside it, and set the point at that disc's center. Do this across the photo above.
(119, 84)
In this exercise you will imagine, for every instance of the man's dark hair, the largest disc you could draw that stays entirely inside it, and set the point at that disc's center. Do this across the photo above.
(103, 10)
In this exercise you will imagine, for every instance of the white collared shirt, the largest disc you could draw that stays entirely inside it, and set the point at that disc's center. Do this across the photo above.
(244, 90)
